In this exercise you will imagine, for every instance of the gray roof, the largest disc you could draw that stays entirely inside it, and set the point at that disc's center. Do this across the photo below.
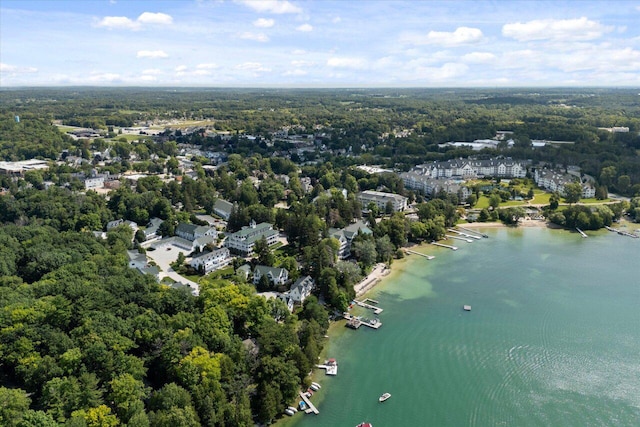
(223, 206)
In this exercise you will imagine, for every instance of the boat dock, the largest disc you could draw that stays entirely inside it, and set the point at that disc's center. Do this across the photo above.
(453, 248)
(449, 236)
(486, 236)
(471, 236)
(582, 233)
(311, 408)
(622, 233)
(355, 322)
(376, 310)
(409, 251)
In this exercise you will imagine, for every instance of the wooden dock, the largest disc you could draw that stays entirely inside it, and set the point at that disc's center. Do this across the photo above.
(471, 236)
(621, 232)
(409, 251)
(582, 233)
(355, 323)
(453, 248)
(449, 236)
(376, 310)
(311, 408)
(474, 232)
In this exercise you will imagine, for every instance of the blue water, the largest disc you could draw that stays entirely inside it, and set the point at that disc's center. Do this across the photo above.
(553, 338)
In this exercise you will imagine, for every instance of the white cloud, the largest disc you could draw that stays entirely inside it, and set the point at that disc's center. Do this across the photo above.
(295, 73)
(556, 29)
(259, 37)
(152, 72)
(461, 36)
(148, 78)
(6, 68)
(104, 77)
(271, 6)
(113, 22)
(305, 28)
(202, 73)
(252, 66)
(155, 18)
(180, 68)
(445, 72)
(264, 23)
(206, 66)
(298, 63)
(299, 52)
(153, 54)
(479, 57)
(342, 62)
(145, 18)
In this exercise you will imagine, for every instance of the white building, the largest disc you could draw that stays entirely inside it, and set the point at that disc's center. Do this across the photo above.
(380, 199)
(276, 276)
(211, 261)
(193, 232)
(472, 168)
(301, 289)
(244, 240)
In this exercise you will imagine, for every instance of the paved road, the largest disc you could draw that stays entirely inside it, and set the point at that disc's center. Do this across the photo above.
(163, 256)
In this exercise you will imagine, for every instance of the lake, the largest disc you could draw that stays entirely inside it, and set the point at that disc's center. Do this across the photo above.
(553, 337)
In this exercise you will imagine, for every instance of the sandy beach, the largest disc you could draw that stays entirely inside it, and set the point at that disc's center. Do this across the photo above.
(379, 271)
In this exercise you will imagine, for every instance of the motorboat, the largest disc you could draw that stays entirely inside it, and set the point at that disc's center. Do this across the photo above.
(384, 397)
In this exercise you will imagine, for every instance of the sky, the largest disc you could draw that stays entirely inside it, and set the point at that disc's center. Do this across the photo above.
(320, 43)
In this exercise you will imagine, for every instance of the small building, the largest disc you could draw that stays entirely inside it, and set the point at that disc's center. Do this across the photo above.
(277, 276)
(244, 271)
(151, 231)
(345, 236)
(207, 262)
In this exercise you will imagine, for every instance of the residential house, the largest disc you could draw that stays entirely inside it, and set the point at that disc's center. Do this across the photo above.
(207, 262)
(301, 289)
(140, 263)
(192, 232)
(345, 236)
(223, 209)
(277, 276)
(151, 231)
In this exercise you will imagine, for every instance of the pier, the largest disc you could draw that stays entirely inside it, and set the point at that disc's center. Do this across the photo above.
(453, 248)
(622, 233)
(355, 323)
(311, 408)
(474, 232)
(582, 233)
(471, 236)
(376, 310)
(449, 236)
(409, 251)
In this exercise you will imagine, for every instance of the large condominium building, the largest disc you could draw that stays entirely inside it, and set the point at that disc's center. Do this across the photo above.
(244, 240)
(381, 200)
(471, 168)
(555, 181)
(211, 261)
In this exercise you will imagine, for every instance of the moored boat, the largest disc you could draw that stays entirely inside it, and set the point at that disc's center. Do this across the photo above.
(365, 425)
(466, 307)
(384, 397)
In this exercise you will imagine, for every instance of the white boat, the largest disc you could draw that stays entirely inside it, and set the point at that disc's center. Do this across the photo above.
(288, 412)
(384, 397)
(292, 409)
(467, 308)
(316, 385)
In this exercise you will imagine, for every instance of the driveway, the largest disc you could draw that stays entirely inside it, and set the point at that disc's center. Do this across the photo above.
(163, 256)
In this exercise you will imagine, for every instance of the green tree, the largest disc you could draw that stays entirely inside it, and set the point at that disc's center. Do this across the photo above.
(572, 192)
(13, 404)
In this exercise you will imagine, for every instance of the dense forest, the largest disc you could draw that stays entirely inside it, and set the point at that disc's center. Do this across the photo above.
(87, 341)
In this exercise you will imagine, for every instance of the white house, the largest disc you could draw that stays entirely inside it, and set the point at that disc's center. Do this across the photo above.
(223, 209)
(276, 276)
(345, 236)
(211, 261)
(192, 232)
(301, 289)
